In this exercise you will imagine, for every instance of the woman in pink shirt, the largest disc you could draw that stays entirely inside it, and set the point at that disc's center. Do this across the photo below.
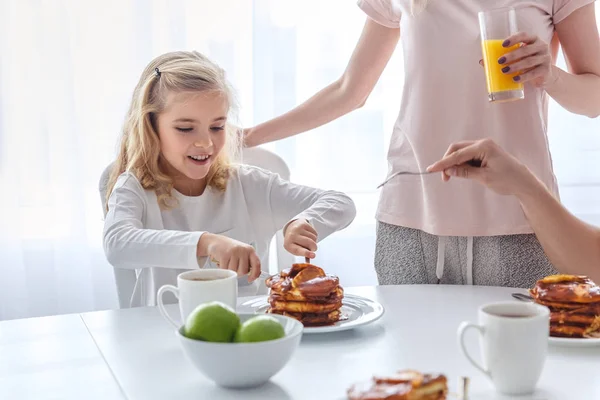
(459, 233)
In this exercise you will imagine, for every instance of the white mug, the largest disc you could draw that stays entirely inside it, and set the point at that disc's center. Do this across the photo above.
(200, 286)
(513, 342)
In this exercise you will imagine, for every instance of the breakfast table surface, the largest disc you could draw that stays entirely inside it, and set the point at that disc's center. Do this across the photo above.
(135, 354)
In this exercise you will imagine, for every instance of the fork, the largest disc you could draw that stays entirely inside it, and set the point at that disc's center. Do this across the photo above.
(395, 174)
(473, 163)
(522, 297)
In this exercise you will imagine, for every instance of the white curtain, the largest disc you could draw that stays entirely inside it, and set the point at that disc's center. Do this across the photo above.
(67, 70)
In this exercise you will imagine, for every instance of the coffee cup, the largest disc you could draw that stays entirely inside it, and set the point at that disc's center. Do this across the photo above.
(513, 338)
(200, 286)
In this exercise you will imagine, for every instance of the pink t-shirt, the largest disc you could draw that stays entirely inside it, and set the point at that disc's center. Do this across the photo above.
(445, 101)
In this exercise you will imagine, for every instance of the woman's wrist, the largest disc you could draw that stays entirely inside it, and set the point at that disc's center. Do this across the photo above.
(529, 187)
(554, 81)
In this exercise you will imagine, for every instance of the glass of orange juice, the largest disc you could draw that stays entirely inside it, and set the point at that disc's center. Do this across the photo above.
(496, 25)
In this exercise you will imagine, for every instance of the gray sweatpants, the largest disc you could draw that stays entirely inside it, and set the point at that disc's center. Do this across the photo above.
(410, 256)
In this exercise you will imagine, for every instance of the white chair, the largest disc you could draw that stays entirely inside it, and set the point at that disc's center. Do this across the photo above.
(125, 278)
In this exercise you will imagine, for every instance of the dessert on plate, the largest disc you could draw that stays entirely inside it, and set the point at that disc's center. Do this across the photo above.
(574, 303)
(404, 385)
(305, 292)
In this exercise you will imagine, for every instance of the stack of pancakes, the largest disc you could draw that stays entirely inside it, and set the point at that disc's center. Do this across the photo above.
(404, 385)
(574, 303)
(306, 293)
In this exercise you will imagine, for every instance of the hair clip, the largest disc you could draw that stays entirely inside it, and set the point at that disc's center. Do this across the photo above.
(157, 72)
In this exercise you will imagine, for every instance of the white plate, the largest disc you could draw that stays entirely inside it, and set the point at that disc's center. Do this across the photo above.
(358, 310)
(574, 342)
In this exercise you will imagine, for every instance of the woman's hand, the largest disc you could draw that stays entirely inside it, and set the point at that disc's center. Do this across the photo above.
(230, 254)
(300, 238)
(499, 171)
(532, 61)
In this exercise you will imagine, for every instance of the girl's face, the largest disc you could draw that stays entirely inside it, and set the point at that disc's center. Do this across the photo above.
(191, 130)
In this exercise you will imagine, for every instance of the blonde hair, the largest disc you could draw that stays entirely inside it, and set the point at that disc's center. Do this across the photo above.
(180, 71)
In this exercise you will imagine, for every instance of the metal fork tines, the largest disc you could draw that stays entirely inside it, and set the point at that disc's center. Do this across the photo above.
(395, 174)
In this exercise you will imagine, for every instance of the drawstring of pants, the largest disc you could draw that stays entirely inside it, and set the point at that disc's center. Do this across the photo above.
(439, 270)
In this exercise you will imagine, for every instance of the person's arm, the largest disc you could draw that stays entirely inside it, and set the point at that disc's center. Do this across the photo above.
(577, 90)
(307, 215)
(128, 245)
(571, 245)
(327, 211)
(372, 53)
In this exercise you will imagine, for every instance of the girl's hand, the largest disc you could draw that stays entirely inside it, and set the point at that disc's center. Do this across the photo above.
(231, 254)
(499, 171)
(300, 238)
(532, 61)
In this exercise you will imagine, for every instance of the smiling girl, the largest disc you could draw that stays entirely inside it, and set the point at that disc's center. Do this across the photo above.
(177, 202)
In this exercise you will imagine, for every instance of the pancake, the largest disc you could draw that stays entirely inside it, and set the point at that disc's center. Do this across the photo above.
(374, 391)
(573, 318)
(574, 325)
(309, 319)
(562, 330)
(305, 292)
(336, 295)
(566, 306)
(304, 307)
(303, 281)
(566, 289)
(405, 385)
(574, 303)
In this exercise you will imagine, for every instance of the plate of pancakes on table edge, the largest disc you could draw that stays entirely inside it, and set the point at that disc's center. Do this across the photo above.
(574, 303)
(305, 292)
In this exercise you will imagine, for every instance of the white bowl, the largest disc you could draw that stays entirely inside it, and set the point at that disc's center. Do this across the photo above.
(243, 365)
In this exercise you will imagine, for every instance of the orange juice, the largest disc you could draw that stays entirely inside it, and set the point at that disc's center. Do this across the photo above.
(497, 81)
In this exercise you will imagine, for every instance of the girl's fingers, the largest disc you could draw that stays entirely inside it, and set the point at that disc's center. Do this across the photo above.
(305, 242)
(244, 263)
(255, 267)
(309, 234)
(311, 229)
(232, 265)
(301, 251)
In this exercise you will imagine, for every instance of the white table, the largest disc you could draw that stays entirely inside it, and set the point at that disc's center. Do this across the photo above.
(53, 358)
(134, 354)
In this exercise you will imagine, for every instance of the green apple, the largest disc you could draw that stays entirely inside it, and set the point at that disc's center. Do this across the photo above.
(259, 329)
(212, 322)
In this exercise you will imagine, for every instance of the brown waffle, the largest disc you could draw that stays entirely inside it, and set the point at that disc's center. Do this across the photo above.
(405, 385)
(309, 319)
(574, 303)
(566, 289)
(307, 293)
